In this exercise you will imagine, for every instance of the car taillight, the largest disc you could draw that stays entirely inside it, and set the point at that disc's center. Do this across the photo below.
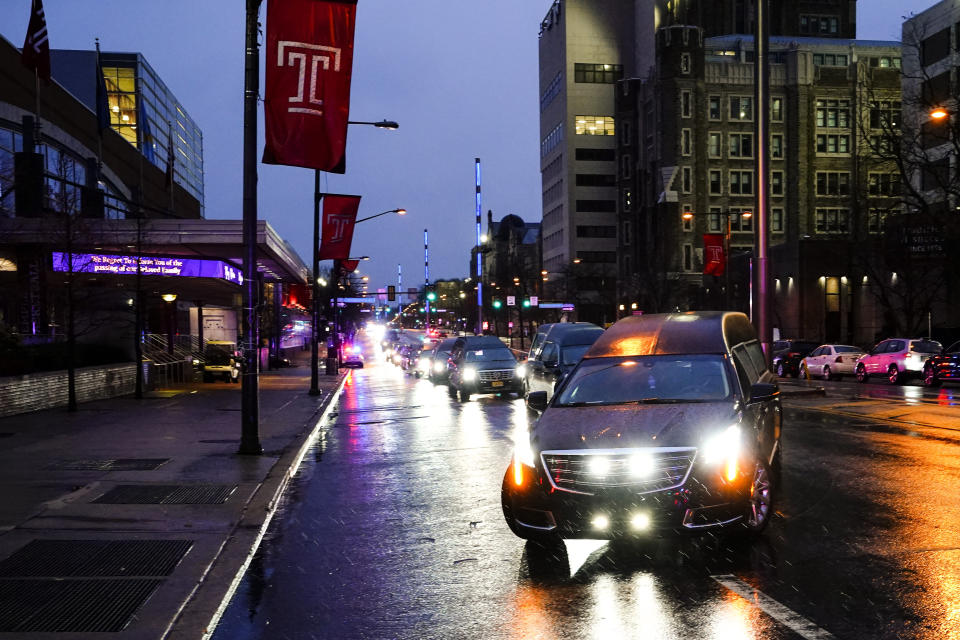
(793, 355)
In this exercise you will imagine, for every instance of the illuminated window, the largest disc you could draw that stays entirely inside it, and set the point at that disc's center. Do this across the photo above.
(832, 220)
(121, 85)
(597, 73)
(714, 220)
(776, 146)
(776, 109)
(715, 144)
(832, 143)
(594, 126)
(741, 108)
(776, 220)
(776, 183)
(833, 114)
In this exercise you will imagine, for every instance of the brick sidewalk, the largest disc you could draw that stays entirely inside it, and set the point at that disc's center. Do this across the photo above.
(138, 516)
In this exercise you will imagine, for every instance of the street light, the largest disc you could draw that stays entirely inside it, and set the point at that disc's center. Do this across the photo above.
(383, 124)
(938, 113)
(400, 212)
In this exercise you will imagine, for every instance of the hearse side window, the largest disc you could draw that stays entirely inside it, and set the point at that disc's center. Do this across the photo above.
(756, 356)
(745, 371)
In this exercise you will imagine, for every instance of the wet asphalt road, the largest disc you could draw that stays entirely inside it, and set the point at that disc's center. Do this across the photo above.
(393, 529)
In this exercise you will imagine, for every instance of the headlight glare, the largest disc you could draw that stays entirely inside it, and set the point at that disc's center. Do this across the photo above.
(722, 446)
(469, 375)
(521, 371)
(438, 367)
(522, 451)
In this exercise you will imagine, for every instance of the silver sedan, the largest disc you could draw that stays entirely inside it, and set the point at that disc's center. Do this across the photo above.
(830, 361)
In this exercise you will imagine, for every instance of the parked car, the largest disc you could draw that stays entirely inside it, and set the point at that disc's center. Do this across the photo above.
(221, 360)
(563, 344)
(897, 358)
(830, 361)
(482, 364)
(787, 355)
(669, 424)
(943, 367)
(434, 362)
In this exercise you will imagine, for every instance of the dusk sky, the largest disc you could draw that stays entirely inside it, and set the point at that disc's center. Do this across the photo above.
(459, 77)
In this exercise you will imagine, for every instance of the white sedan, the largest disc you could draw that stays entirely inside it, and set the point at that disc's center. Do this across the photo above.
(830, 361)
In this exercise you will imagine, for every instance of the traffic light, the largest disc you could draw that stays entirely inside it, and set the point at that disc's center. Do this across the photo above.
(526, 302)
(431, 296)
(496, 303)
(391, 293)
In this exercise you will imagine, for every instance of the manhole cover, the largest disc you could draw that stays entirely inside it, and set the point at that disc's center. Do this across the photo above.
(95, 558)
(71, 606)
(121, 464)
(167, 494)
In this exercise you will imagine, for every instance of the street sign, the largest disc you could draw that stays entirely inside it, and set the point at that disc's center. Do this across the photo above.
(511, 301)
(391, 293)
(534, 301)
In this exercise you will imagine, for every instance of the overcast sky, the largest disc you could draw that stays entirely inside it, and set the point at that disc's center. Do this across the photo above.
(460, 77)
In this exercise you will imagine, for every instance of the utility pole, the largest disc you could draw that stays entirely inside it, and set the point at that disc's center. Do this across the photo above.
(315, 290)
(762, 81)
(250, 391)
(479, 329)
(399, 296)
(426, 277)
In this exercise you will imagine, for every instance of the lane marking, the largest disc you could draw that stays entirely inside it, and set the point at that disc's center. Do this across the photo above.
(785, 616)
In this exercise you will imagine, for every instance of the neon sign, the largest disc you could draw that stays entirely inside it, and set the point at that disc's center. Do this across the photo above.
(149, 266)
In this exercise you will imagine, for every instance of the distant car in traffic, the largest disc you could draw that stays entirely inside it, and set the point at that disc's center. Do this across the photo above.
(221, 360)
(943, 367)
(434, 362)
(830, 361)
(556, 354)
(787, 355)
(482, 364)
(352, 356)
(898, 359)
(670, 423)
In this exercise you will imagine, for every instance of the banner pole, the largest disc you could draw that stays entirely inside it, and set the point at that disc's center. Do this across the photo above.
(315, 290)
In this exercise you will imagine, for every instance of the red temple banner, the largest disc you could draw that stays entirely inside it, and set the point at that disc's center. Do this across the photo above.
(339, 218)
(714, 258)
(309, 62)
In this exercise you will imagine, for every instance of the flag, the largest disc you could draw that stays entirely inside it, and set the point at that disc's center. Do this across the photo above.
(36, 46)
(714, 259)
(339, 217)
(103, 103)
(349, 266)
(306, 102)
(147, 140)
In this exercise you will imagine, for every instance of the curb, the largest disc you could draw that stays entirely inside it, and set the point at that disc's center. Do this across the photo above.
(201, 611)
(799, 393)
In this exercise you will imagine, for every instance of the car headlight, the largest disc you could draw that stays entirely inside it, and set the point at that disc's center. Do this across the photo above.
(522, 456)
(423, 364)
(722, 446)
(521, 371)
(469, 375)
(438, 367)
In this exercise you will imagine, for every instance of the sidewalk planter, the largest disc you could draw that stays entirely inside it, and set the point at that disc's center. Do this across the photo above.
(36, 391)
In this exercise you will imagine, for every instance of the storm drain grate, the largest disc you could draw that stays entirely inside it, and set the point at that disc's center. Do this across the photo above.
(167, 494)
(75, 606)
(95, 558)
(121, 464)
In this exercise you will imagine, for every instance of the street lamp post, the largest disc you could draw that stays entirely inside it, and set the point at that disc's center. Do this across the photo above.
(315, 306)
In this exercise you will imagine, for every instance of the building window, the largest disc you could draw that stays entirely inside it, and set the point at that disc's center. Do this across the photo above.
(884, 184)
(882, 145)
(684, 63)
(832, 220)
(832, 143)
(685, 142)
(688, 257)
(885, 62)
(714, 223)
(885, 115)
(776, 183)
(833, 114)
(877, 220)
(686, 104)
(625, 167)
(714, 112)
(553, 192)
(550, 142)
(625, 133)
(596, 231)
(715, 144)
(829, 60)
(776, 220)
(740, 223)
(741, 108)
(741, 183)
(596, 206)
(627, 196)
(596, 155)
(833, 183)
(741, 145)
(594, 125)
(776, 146)
(552, 91)
(627, 233)
(817, 24)
(716, 182)
(935, 48)
(776, 109)
(597, 73)
(687, 179)
(686, 219)
(596, 180)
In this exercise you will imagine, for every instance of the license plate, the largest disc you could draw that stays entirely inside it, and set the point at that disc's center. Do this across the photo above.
(496, 383)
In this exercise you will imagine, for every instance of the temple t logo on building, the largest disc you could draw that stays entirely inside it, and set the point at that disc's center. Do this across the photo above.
(306, 59)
